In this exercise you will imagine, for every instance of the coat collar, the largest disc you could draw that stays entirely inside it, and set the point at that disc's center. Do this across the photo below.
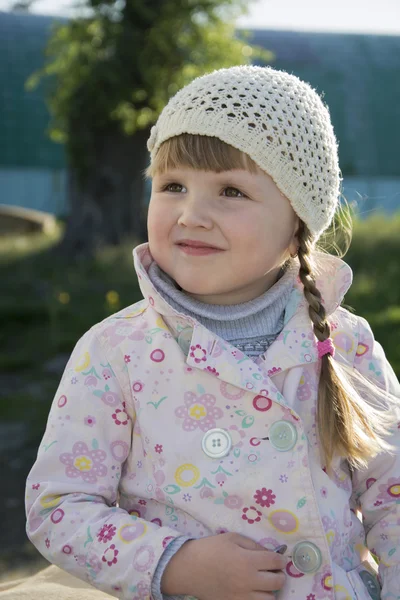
(295, 345)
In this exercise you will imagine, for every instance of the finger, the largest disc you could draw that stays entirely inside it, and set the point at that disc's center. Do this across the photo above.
(269, 561)
(267, 581)
(246, 543)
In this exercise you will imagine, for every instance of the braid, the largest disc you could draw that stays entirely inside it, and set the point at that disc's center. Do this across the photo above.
(347, 425)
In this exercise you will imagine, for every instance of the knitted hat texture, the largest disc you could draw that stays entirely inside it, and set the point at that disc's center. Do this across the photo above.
(274, 117)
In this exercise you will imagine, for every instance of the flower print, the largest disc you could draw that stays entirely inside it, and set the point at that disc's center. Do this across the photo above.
(139, 464)
(206, 492)
(188, 370)
(158, 448)
(74, 380)
(221, 530)
(199, 412)
(212, 371)
(143, 502)
(220, 478)
(283, 478)
(35, 486)
(138, 510)
(187, 497)
(127, 358)
(137, 386)
(274, 371)
(377, 502)
(291, 464)
(85, 463)
(251, 515)
(90, 381)
(198, 353)
(110, 555)
(106, 374)
(89, 420)
(384, 536)
(121, 417)
(110, 398)
(264, 497)
(106, 533)
(383, 524)
(143, 589)
(389, 491)
(67, 549)
(311, 597)
(233, 502)
(47, 542)
(322, 583)
(80, 559)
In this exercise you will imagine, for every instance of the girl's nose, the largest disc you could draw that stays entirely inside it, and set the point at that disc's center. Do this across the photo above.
(195, 212)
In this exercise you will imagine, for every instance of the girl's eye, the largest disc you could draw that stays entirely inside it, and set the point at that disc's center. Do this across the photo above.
(233, 192)
(173, 187)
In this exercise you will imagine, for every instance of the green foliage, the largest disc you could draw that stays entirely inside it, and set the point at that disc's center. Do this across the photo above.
(375, 294)
(121, 65)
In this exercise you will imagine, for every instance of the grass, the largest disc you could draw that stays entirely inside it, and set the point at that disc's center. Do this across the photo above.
(47, 304)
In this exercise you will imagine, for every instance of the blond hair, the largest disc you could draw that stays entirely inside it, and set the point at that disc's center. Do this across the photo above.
(353, 413)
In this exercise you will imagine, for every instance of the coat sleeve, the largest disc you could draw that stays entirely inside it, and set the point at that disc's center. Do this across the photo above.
(73, 517)
(376, 490)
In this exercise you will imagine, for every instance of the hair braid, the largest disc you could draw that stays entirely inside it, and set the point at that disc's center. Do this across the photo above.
(347, 425)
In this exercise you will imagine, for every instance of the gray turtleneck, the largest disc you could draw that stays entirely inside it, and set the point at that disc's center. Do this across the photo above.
(251, 326)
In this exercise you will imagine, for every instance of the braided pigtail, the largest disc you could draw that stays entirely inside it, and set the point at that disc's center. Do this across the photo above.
(348, 425)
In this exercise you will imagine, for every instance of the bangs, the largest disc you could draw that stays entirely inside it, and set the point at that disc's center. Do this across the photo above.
(200, 152)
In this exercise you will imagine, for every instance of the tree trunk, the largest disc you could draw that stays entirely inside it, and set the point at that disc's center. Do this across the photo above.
(109, 207)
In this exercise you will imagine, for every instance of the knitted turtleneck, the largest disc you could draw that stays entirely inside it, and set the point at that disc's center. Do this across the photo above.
(251, 326)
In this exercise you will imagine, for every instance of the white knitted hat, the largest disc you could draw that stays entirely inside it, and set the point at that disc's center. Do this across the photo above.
(277, 119)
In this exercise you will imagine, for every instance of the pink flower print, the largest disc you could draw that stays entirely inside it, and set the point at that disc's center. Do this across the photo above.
(264, 497)
(84, 463)
(47, 542)
(90, 381)
(121, 417)
(390, 491)
(158, 448)
(106, 374)
(233, 502)
(106, 533)
(199, 412)
(137, 386)
(117, 332)
(110, 555)
(143, 502)
(110, 398)
(206, 492)
(188, 370)
(304, 391)
(67, 549)
(251, 515)
(377, 502)
(220, 478)
(198, 353)
(35, 486)
(311, 597)
(89, 420)
(274, 371)
(212, 371)
(127, 358)
(322, 583)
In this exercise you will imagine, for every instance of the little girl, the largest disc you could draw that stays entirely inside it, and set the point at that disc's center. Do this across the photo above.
(238, 409)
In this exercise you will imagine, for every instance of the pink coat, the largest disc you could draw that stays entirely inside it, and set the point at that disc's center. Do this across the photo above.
(160, 428)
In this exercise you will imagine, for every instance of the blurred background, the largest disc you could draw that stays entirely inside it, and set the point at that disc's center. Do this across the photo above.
(80, 86)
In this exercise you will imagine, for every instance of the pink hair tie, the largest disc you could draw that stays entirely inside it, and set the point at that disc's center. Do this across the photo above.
(326, 347)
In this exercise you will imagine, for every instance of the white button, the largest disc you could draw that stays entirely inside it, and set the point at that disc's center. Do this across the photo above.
(282, 435)
(184, 339)
(306, 557)
(216, 443)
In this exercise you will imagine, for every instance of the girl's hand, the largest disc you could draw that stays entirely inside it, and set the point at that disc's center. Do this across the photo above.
(227, 566)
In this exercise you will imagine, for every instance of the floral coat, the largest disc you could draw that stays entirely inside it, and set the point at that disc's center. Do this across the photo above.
(160, 428)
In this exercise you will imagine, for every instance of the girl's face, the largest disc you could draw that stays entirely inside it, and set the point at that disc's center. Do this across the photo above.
(242, 214)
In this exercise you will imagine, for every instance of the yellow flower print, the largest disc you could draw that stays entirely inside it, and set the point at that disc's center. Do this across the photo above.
(50, 501)
(197, 411)
(83, 463)
(183, 473)
(84, 362)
